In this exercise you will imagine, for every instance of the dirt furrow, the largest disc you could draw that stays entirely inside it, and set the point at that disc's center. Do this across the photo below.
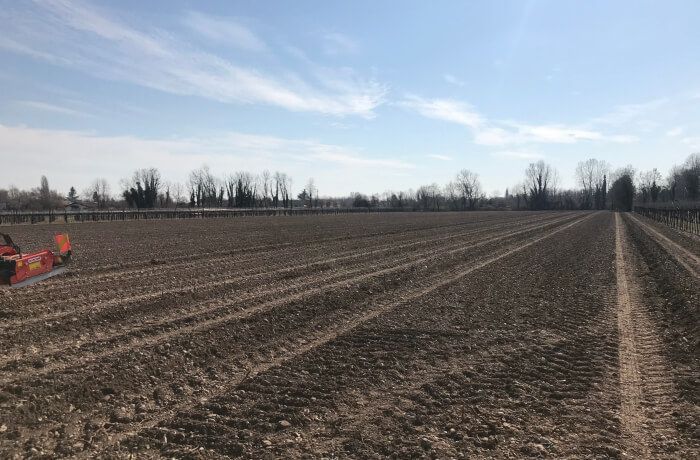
(220, 312)
(502, 380)
(65, 295)
(201, 260)
(81, 383)
(686, 239)
(684, 257)
(335, 332)
(422, 335)
(245, 249)
(176, 287)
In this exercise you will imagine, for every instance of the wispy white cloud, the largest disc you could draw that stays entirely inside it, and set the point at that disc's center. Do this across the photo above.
(46, 107)
(444, 109)
(439, 157)
(498, 132)
(228, 31)
(335, 43)
(13, 46)
(555, 133)
(521, 133)
(64, 31)
(451, 79)
(492, 135)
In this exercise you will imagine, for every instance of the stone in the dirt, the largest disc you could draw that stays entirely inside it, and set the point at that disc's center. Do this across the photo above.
(267, 442)
(284, 424)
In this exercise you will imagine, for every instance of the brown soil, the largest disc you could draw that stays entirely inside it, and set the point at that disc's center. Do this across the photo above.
(429, 335)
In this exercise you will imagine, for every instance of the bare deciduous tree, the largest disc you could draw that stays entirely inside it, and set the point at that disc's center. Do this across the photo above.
(452, 195)
(428, 197)
(204, 187)
(691, 177)
(283, 189)
(311, 191)
(649, 185)
(592, 176)
(540, 180)
(469, 188)
(98, 192)
(177, 193)
(266, 184)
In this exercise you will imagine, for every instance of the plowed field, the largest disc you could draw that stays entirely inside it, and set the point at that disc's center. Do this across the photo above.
(407, 335)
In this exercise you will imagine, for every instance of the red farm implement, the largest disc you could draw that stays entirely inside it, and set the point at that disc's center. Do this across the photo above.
(18, 269)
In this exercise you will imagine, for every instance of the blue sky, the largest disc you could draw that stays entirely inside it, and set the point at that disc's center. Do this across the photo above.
(363, 96)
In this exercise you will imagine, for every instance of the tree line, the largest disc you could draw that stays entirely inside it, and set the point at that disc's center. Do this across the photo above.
(598, 187)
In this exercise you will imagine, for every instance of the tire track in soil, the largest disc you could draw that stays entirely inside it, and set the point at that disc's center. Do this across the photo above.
(672, 302)
(645, 385)
(327, 336)
(133, 339)
(685, 258)
(252, 274)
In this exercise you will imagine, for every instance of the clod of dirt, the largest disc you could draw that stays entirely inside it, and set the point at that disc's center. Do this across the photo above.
(142, 408)
(534, 450)
(123, 415)
(92, 426)
(488, 442)
(159, 394)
